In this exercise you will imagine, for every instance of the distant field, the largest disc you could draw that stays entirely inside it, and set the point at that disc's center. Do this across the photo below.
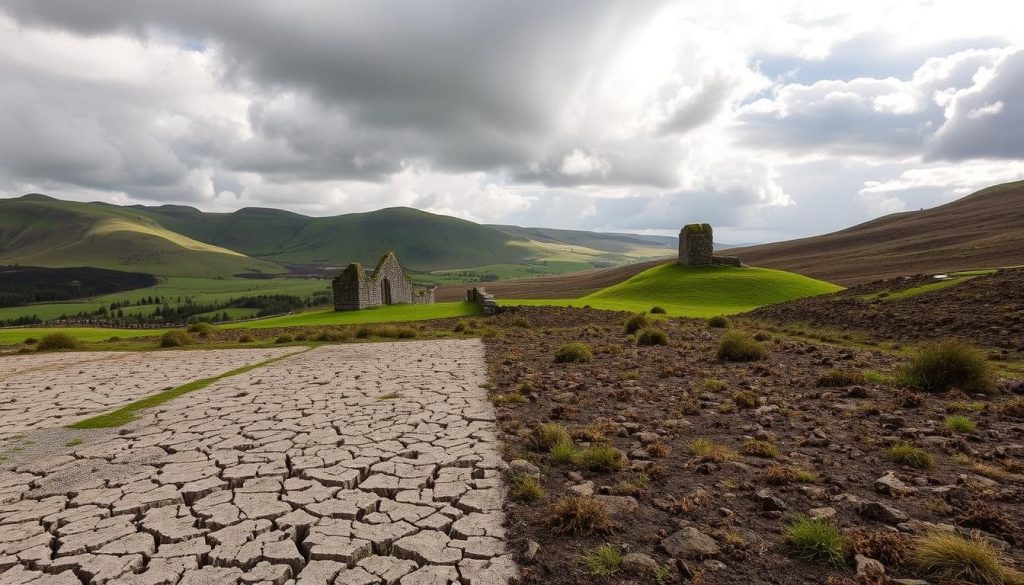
(696, 292)
(202, 290)
(474, 275)
(13, 336)
(386, 314)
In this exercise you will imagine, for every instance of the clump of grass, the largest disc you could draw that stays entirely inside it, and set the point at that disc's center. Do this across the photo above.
(876, 378)
(719, 322)
(390, 396)
(815, 540)
(30, 341)
(335, 336)
(175, 338)
(522, 322)
(284, 339)
(546, 435)
(574, 353)
(652, 336)
(736, 346)
(200, 328)
(658, 310)
(245, 338)
(524, 488)
(510, 398)
(950, 364)
(74, 442)
(837, 377)
(907, 454)
(713, 385)
(600, 458)
(948, 557)
(564, 452)
(637, 322)
(757, 448)
(745, 398)
(706, 450)
(58, 341)
(603, 561)
(461, 327)
(805, 476)
(959, 423)
(578, 515)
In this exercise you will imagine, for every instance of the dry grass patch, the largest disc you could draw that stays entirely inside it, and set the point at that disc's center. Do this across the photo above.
(907, 454)
(524, 488)
(948, 557)
(544, 436)
(815, 540)
(707, 450)
(578, 515)
(835, 378)
(574, 353)
(756, 448)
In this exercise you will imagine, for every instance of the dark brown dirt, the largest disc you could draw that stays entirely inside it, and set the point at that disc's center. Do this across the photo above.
(987, 311)
(982, 230)
(840, 434)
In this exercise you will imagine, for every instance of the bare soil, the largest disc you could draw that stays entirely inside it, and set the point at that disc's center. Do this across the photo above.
(986, 311)
(631, 397)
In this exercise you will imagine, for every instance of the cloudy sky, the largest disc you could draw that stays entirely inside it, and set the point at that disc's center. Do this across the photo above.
(769, 119)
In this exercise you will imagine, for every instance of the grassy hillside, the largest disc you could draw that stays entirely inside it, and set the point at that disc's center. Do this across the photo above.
(41, 231)
(630, 244)
(698, 291)
(985, 229)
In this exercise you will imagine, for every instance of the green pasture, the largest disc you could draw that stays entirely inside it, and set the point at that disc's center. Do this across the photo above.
(385, 314)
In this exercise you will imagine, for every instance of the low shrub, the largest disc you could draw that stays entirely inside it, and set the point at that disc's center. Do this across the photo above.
(836, 378)
(959, 423)
(544, 436)
(578, 515)
(245, 338)
(200, 328)
(603, 561)
(713, 384)
(719, 322)
(58, 341)
(740, 347)
(657, 310)
(175, 338)
(461, 327)
(365, 332)
(652, 336)
(284, 339)
(706, 450)
(31, 341)
(887, 546)
(637, 322)
(573, 353)
(946, 365)
(947, 557)
(907, 454)
(745, 398)
(815, 540)
(564, 452)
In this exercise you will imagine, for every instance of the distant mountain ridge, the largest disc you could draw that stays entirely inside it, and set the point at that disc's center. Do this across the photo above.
(982, 230)
(174, 240)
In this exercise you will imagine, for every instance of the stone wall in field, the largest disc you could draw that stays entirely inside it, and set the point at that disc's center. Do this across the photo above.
(354, 289)
(486, 300)
(697, 247)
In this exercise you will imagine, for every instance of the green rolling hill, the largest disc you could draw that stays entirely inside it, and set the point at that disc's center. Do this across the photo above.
(174, 240)
(36, 230)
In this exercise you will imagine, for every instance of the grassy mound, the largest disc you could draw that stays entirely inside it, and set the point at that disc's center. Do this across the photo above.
(704, 291)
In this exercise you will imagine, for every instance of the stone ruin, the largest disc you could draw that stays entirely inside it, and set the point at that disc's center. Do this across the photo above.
(697, 247)
(389, 285)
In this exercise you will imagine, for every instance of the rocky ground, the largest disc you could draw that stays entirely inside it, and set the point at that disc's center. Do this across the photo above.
(355, 464)
(717, 458)
(985, 311)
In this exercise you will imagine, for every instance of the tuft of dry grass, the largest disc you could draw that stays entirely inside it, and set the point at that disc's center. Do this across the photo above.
(546, 435)
(601, 458)
(706, 450)
(836, 378)
(907, 454)
(745, 399)
(756, 448)
(574, 353)
(524, 488)
(578, 515)
(948, 557)
(888, 547)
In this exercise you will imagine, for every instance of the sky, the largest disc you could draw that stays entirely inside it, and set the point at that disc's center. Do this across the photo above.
(770, 120)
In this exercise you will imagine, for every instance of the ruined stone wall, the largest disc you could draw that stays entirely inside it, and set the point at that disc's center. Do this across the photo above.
(486, 300)
(389, 285)
(696, 245)
(424, 296)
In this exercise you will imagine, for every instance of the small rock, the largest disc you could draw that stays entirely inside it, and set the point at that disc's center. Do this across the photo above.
(768, 502)
(619, 505)
(690, 543)
(868, 567)
(822, 513)
(648, 438)
(523, 467)
(532, 548)
(639, 564)
(882, 513)
(584, 489)
(891, 485)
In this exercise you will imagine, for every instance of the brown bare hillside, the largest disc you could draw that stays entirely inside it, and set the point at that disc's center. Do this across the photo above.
(560, 286)
(982, 230)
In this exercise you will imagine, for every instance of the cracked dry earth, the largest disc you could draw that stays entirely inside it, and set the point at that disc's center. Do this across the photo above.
(350, 464)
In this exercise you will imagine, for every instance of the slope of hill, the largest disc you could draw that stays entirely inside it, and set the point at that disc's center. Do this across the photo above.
(985, 229)
(630, 244)
(561, 286)
(41, 231)
(983, 310)
(691, 291)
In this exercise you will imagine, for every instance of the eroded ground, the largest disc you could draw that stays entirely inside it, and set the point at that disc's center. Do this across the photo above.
(46, 390)
(353, 464)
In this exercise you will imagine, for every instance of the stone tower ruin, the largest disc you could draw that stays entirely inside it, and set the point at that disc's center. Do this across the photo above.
(697, 247)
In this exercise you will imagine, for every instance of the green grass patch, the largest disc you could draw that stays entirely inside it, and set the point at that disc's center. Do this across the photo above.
(384, 314)
(127, 413)
(704, 292)
(19, 335)
(603, 561)
(907, 454)
(959, 423)
(815, 540)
